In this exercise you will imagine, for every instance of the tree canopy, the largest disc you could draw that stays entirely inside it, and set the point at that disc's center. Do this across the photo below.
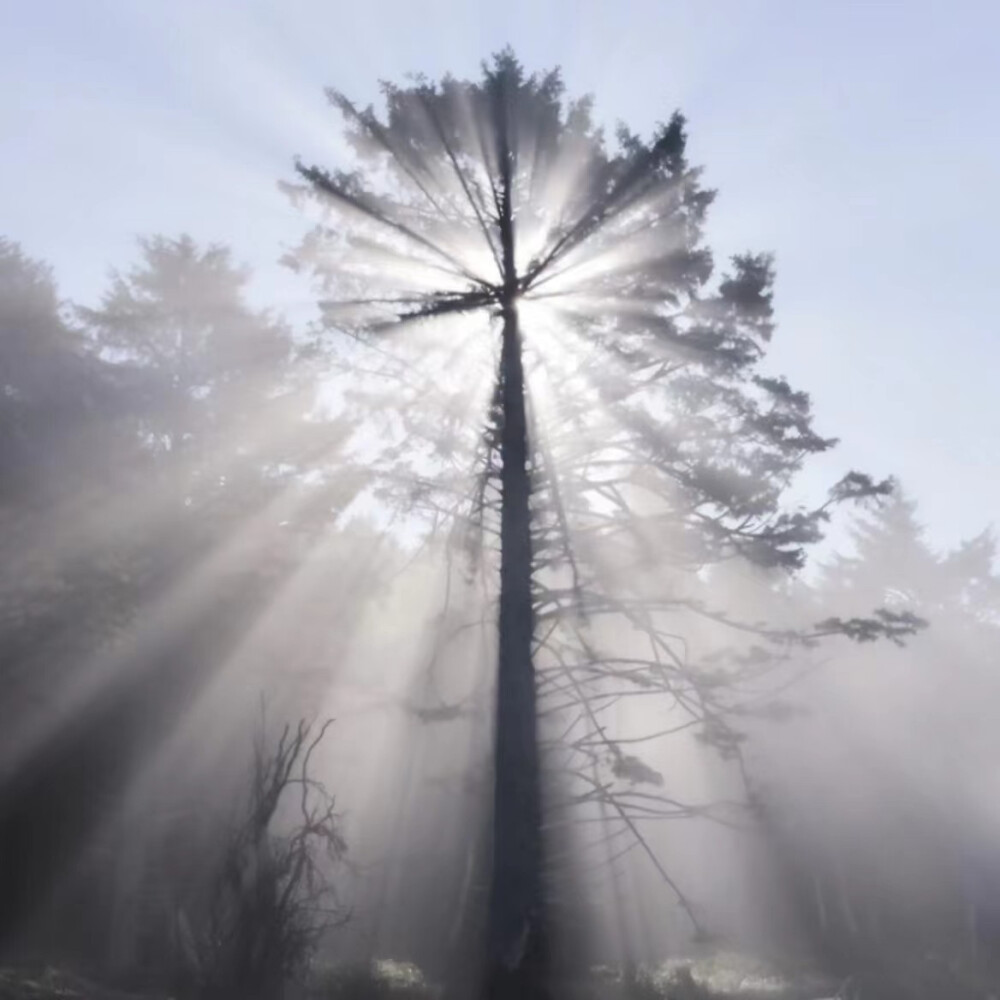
(658, 445)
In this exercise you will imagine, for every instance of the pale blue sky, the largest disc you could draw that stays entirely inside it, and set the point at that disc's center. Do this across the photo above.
(860, 141)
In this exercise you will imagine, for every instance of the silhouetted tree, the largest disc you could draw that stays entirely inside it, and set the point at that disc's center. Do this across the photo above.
(628, 415)
(157, 445)
(222, 397)
(894, 857)
(65, 431)
(890, 561)
(272, 895)
(56, 399)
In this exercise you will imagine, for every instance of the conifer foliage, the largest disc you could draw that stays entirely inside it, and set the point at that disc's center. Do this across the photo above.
(629, 437)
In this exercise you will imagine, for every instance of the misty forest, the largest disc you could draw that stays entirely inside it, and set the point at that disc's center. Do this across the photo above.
(464, 633)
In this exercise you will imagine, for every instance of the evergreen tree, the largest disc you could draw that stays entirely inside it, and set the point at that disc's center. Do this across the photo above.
(55, 399)
(221, 401)
(160, 444)
(628, 417)
(64, 432)
(890, 562)
(897, 739)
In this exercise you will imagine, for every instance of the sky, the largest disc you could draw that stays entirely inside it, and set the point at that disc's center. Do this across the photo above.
(858, 141)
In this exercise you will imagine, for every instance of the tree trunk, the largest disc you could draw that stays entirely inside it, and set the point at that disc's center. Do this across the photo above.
(516, 932)
(516, 946)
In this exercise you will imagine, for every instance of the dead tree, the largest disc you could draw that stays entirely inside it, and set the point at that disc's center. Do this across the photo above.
(272, 896)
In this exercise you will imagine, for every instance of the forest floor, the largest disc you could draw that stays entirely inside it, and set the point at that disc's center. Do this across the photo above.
(57, 984)
(718, 977)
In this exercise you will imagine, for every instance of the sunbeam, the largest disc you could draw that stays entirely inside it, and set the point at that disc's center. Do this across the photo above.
(439, 620)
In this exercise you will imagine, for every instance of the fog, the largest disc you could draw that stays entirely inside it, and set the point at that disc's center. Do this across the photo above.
(764, 755)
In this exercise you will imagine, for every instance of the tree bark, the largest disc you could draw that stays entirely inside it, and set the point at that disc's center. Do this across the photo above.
(516, 930)
(516, 945)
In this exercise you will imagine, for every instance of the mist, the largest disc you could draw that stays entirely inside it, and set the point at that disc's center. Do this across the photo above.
(480, 620)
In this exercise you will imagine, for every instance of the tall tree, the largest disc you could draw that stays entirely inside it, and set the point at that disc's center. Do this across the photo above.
(218, 374)
(56, 400)
(155, 443)
(898, 740)
(642, 419)
(64, 417)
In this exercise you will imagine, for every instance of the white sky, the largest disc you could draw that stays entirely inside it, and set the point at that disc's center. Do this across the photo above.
(860, 141)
